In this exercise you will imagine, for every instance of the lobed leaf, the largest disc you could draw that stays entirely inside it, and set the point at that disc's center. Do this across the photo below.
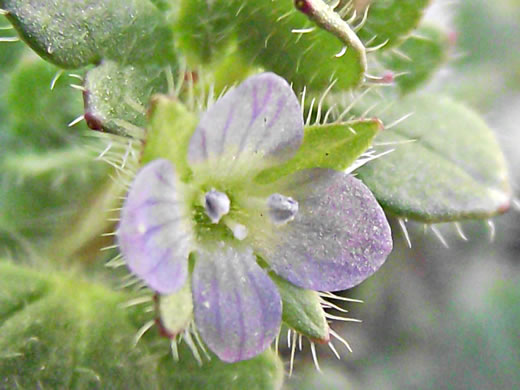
(447, 165)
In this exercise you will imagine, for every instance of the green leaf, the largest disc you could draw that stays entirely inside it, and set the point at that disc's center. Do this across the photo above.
(59, 331)
(46, 170)
(37, 115)
(264, 372)
(302, 310)
(169, 131)
(204, 28)
(265, 37)
(10, 51)
(117, 96)
(447, 164)
(72, 34)
(424, 53)
(391, 21)
(335, 146)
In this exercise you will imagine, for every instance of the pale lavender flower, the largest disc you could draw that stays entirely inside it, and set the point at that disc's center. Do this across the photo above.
(319, 229)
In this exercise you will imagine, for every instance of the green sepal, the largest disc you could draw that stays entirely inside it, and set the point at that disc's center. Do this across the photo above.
(447, 165)
(72, 34)
(334, 146)
(175, 311)
(391, 21)
(117, 96)
(302, 310)
(424, 53)
(169, 130)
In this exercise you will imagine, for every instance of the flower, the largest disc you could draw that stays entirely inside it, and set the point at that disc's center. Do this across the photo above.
(319, 229)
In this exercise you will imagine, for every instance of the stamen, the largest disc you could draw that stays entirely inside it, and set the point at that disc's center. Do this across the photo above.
(216, 204)
(282, 209)
(239, 231)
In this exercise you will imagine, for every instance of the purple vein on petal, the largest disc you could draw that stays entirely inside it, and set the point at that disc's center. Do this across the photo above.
(282, 100)
(164, 180)
(154, 202)
(157, 228)
(203, 141)
(242, 325)
(215, 288)
(164, 257)
(229, 120)
(260, 296)
(256, 110)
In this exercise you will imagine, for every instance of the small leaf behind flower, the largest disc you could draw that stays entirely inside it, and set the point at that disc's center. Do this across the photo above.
(447, 164)
(335, 146)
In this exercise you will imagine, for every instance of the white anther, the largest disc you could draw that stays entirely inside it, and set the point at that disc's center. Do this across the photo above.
(282, 209)
(216, 204)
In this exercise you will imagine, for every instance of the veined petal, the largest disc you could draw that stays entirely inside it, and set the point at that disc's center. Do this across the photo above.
(259, 118)
(339, 237)
(154, 233)
(237, 306)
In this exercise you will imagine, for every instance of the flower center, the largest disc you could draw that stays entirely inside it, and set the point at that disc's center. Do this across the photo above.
(282, 209)
(216, 205)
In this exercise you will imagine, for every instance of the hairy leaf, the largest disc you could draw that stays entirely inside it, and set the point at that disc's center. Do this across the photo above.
(447, 164)
(390, 20)
(73, 34)
(59, 331)
(117, 96)
(264, 31)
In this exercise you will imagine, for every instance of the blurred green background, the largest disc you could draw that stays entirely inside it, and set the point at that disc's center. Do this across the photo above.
(433, 317)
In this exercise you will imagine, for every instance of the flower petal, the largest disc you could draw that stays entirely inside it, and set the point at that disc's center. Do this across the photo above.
(338, 238)
(261, 117)
(154, 233)
(237, 306)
